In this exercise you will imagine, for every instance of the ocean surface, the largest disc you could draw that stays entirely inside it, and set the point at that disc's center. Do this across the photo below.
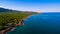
(45, 23)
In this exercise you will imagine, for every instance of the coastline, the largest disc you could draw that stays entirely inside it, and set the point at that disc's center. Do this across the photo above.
(13, 28)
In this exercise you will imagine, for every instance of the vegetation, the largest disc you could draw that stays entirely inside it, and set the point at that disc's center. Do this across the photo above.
(11, 17)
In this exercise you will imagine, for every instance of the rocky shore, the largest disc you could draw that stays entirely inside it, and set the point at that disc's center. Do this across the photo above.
(12, 27)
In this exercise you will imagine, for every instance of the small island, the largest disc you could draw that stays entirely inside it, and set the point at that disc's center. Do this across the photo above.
(9, 19)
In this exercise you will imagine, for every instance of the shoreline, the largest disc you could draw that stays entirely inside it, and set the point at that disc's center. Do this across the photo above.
(13, 28)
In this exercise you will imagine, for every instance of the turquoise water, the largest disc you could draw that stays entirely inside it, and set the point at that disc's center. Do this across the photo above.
(46, 23)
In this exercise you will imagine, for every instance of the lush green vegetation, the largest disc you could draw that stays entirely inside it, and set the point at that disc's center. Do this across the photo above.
(12, 17)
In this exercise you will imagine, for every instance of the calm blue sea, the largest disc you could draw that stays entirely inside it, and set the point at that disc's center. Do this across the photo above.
(45, 23)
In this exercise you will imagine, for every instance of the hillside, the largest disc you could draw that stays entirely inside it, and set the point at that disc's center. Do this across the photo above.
(9, 18)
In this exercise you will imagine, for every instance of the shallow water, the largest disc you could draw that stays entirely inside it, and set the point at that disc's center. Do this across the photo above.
(46, 23)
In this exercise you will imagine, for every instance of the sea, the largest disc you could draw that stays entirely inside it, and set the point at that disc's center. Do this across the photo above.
(44, 23)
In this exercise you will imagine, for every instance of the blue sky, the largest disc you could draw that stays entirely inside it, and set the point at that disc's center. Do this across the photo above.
(32, 5)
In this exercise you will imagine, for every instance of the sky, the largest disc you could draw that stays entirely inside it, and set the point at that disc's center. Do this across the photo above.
(32, 5)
